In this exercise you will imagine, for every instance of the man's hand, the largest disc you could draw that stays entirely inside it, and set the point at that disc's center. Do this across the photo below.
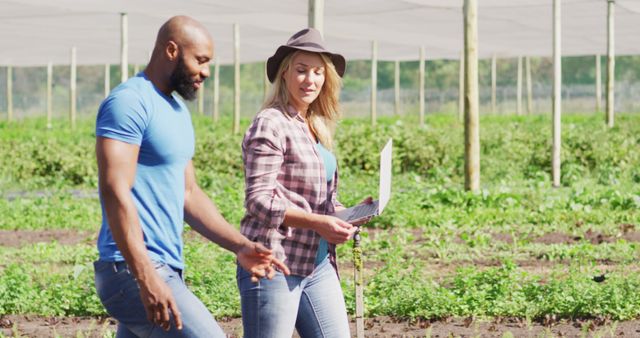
(259, 261)
(159, 303)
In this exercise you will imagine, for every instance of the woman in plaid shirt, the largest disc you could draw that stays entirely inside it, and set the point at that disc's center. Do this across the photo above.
(291, 180)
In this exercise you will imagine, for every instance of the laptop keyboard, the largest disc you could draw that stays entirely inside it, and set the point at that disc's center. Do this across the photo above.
(363, 210)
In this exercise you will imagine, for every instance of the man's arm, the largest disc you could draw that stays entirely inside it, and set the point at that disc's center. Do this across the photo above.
(116, 171)
(203, 216)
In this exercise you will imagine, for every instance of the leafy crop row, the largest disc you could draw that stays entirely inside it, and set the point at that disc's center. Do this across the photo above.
(56, 284)
(512, 150)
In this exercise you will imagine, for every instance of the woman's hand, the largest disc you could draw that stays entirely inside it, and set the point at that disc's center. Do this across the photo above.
(365, 220)
(333, 229)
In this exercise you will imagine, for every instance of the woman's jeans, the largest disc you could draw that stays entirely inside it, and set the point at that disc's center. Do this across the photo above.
(314, 305)
(120, 294)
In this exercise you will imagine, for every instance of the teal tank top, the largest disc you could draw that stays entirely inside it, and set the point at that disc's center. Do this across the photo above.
(330, 165)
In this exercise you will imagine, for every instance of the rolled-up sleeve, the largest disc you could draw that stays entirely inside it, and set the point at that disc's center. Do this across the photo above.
(263, 155)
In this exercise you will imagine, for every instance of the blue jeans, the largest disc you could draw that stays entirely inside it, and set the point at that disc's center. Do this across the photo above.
(314, 305)
(120, 294)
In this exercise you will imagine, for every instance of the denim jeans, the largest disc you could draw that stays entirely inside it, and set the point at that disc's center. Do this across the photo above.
(314, 305)
(120, 294)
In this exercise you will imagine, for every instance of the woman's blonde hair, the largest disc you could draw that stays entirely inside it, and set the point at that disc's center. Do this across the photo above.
(324, 111)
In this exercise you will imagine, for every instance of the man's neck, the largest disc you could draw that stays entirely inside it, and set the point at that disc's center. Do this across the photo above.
(159, 80)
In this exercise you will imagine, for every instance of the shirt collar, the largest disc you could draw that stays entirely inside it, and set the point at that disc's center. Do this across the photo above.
(295, 114)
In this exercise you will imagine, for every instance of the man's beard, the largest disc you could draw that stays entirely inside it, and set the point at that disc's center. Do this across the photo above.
(182, 83)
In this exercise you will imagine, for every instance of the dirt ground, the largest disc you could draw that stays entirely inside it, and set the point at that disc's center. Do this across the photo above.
(37, 326)
(18, 238)
(34, 326)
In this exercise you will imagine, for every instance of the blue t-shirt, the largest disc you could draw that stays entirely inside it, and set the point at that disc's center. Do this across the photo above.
(136, 112)
(330, 165)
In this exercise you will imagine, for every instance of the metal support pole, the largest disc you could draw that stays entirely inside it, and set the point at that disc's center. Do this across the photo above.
(471, 100)
(611, 61)
(374, 80)
(124, 47)
(557, 93)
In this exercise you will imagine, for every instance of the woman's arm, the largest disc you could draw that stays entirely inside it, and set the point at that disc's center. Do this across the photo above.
(263, 152)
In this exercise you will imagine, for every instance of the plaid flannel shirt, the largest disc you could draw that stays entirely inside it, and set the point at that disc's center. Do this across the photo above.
(283, 170)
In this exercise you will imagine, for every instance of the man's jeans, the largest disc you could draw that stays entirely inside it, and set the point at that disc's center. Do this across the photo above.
(314, 305)
(120, 294)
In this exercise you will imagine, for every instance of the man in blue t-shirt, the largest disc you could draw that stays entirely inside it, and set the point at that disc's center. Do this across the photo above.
(145, 142)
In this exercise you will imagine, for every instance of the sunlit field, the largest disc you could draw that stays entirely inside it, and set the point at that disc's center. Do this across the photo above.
(517, 249)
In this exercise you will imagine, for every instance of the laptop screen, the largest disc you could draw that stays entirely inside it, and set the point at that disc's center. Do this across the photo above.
(385, 176)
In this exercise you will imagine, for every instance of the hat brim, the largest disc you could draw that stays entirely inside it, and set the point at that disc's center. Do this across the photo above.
(273, 63)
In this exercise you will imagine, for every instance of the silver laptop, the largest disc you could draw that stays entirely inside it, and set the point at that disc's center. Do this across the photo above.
(363, 211)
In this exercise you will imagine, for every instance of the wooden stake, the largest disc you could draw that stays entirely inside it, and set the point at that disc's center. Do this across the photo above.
(124, 47)
(557, 93)
(72, 88)
(421, 90)
(107, 79)
(493, 83)
(9, 93)
(216, 91)
(236, 78)
(374, 80)
(471, 101)
(598, 84)
(396, 86)
(316, 15)
(265, 79)
(461, 88)
(359, 281)
(519, 88)
(611, 61)
(201, 99)
(49, 94)
(527, 64)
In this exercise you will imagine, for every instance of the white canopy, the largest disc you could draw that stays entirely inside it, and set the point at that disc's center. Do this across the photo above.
(34, 32)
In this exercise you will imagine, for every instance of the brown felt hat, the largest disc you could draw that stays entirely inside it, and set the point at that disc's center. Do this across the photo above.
(310, 40)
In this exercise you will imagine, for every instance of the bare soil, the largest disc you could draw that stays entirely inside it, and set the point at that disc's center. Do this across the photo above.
(38, 326)
(17, 238)
(590, 236)
(34, 326)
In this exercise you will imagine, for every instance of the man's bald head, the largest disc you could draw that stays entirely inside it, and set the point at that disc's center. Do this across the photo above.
(184, 31)
(181, 57)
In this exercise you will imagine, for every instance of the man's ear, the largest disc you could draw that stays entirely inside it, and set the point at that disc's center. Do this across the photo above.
(171, 51)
